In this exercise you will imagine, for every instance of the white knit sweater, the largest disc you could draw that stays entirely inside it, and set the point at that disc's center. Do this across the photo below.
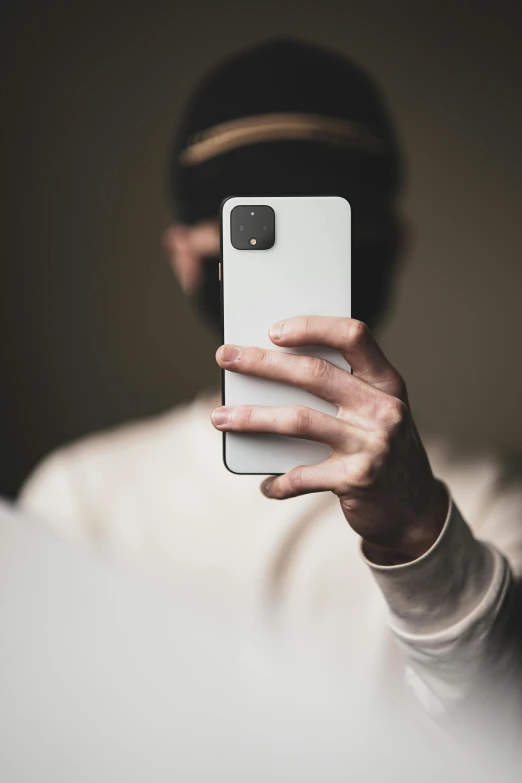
(156, 493)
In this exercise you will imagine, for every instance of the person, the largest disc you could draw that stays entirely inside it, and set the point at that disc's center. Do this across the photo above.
(404, 553)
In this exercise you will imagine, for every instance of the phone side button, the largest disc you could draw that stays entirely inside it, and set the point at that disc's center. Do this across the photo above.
(219, 271)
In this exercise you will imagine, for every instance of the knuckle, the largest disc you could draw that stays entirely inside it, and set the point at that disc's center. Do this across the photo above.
(393, 414)
(398, 415)
(319, 369)
(400, 388)
(357, 332)
(261, 356)
(301, 417)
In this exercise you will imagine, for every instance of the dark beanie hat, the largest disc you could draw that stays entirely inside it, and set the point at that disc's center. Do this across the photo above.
(356, 157)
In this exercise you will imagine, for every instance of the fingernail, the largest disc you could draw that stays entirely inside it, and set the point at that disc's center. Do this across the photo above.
(266, 485)
(220, 416)
(277, 330)
(229, 353)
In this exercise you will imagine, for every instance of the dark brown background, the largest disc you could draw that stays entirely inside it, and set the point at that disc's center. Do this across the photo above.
(94, 328)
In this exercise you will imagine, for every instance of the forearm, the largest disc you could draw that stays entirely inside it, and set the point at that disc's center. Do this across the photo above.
(453, 611)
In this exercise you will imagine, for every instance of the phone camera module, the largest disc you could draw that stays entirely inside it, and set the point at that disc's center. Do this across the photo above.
(252, 229)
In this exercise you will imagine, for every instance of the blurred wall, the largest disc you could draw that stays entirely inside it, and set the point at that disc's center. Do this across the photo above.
(95, 329)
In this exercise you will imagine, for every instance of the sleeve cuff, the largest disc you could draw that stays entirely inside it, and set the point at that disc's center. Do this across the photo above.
(443, 586)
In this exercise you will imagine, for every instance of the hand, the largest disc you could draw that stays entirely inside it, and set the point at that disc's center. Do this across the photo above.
(378, 467)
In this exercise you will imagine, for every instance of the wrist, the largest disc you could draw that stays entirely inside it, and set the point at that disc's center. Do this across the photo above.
(417, 538)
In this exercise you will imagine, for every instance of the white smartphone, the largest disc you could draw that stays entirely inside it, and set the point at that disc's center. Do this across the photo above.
(280, 257)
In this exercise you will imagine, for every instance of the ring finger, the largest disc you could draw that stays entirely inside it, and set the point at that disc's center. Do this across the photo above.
(295, 421)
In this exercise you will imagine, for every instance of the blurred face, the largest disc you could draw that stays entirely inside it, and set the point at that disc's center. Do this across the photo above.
(193, 253)
(188, 248)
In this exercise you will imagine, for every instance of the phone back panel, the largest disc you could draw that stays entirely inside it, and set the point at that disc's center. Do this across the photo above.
(306, 272)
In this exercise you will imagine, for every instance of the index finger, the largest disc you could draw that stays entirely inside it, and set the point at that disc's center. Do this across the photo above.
(351, 338)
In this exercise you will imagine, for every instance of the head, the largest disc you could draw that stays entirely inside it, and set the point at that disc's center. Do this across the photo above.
(285, 118)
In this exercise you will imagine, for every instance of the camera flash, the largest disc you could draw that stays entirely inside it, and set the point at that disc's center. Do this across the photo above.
(251, 213)
(253, 241)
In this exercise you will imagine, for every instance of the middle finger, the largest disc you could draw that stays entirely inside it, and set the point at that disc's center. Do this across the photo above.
(313, 374)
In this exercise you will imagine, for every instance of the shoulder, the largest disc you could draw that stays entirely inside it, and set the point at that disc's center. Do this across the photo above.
(67, 484)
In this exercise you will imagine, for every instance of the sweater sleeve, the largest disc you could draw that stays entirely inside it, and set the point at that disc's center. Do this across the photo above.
(453, 611)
